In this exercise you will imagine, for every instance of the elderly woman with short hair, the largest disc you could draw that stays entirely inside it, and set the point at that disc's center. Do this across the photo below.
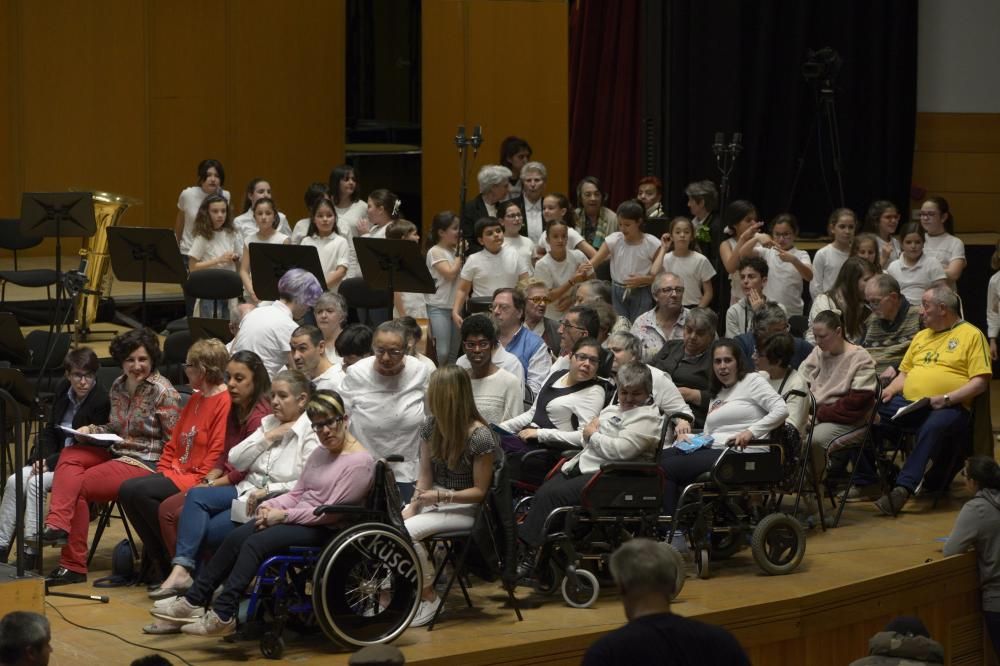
(626, 348)
(331, 315)
(494, 187)
(688, 362)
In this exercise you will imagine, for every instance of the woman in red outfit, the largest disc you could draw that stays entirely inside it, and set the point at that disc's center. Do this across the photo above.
(144, 409)
(197, 442)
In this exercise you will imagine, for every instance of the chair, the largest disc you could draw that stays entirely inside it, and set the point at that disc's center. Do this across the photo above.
(46, 349)
(806, 454)
(175, 349)
(862, 438)
(494, 523)
(12, 239)
(102, 523)
(214, 284)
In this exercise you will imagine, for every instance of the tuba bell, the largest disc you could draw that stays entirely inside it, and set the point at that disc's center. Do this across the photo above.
(108, 209)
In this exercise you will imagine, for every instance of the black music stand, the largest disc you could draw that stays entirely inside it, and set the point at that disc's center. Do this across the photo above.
(269, 262)
(657, 226)
(395, 265)
(204, 328)
(145, 254)
(13, 347)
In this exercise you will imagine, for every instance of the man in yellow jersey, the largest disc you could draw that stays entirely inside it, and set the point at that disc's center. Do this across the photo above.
(948, 363)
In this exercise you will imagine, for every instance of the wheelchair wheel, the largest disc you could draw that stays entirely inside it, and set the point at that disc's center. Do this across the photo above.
(366, 587)
(584, 593)
(725, 544)
(702, 559)
(779, 543)
(272, 646)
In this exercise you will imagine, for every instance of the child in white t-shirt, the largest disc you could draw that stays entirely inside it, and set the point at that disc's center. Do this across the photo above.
(512, 218)
(406, 304)
(560, 269)
(882, 220)
(258, 188)
(216, 245)
(830, 257)
(444, 267)
(265, 214)
(936, 217)
(915, 270)
(555, 206)
(687, 263)
(633, 255)
(787, 266)
(332, 248)
(492, 268)
(314, 193)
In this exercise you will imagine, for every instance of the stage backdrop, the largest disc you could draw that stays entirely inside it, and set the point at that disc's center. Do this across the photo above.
(128, 96)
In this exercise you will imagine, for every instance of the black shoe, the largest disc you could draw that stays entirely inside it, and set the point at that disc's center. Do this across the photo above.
(54, 537)
(63, 576)
(4, 552)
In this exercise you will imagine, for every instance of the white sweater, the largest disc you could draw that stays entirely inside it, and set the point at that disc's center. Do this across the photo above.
(751, 404)
(621, 437)
(278, 467)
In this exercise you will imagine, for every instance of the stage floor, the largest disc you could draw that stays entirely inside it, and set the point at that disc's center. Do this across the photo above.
(866, 545)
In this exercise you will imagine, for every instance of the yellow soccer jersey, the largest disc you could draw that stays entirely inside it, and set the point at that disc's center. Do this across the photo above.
(939, 362)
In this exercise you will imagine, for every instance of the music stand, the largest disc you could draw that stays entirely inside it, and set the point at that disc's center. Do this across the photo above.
(13, 347)
(657, 226)
(395, 265)
(203, 328)
(269, 262)
(145, 254)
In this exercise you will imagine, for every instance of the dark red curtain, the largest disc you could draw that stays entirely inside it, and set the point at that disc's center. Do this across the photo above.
(604, 136)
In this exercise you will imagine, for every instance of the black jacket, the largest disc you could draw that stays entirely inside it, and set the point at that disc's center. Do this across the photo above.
(94, 410)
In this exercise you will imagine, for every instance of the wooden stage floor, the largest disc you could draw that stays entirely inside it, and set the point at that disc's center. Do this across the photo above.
(865, 546)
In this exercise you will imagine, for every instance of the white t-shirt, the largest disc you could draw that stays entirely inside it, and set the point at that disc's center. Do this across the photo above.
(896, 251)
(332, 251)
(499, 396)
(523, 246)
(387, 412)
(750, 404)
(556, 273)
(444, 296)
(347, 224)
(190, 201)
(277, 238)
(693, 270)
(784, 282)
(221, 242)
(826, 266)
(488, 272)
(247, 226)
(414, 304)
(266, 330)
(501, 358)
(914, 280)
(945, 248)
(300, 230)
(627, 259)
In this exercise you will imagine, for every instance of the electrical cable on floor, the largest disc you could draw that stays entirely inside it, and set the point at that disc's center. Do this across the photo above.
(123, 640)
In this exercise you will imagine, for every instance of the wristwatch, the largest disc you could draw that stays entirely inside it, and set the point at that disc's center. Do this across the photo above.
(947, 399)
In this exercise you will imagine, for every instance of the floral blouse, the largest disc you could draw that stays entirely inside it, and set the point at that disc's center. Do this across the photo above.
(145, 421)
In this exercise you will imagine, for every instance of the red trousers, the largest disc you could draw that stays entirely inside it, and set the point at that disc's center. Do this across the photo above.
(84, 474)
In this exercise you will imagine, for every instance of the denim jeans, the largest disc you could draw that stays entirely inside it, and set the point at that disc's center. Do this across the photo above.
(639, 300)
(938, 431)
(446, 335)
(204, 522)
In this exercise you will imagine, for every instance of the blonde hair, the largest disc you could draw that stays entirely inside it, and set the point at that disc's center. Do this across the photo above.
(449, 399)
(212, 357)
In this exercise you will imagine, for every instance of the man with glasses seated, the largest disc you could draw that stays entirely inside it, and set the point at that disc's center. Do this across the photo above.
(508, 315)
(580, 321)
(78, 402)
(666, 320)
(892, 326)
(498, 394)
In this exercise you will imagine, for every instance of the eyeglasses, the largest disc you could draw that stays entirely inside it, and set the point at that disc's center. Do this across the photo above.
(586, 358)
(514, 216)
(929, 213)
(82, 376)
(670, 290)
(540, 300)
(876, 303)
(474, 345)
(566, 324)
(391, 353)
(333, 423)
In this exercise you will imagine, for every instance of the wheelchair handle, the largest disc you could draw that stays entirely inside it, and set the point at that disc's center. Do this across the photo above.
(394, 458)
(340, 508)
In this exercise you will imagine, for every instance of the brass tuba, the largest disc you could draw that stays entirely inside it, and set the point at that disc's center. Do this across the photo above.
(108, 209)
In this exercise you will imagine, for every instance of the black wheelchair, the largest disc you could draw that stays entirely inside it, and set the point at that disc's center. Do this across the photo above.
(362, 588)
(739, 502)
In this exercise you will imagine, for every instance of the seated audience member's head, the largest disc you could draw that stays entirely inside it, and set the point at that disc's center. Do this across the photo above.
(25, 639)
(768, 320)
(606, 317)
(494, 182)
(668, 292)
(508, 309)
(141, 348)
(536, 296)
(81, 365)
(592, 290)
(533, 177)
(479, 340)
(416, 333)
(354, 344)
(774, 354)
(939, 307)
(308, 350)
(883, 296)
(753, 274)
(699, 330)
(646, 572)
(299, 290)
(635, 385)
(580, 321)
(489, 234)
(331, 313)
(625, 348)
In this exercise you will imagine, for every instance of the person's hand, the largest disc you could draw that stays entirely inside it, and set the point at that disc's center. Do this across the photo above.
(539, 252)
(634, 281)
(456, 319)
(583, 271)
(756, 299)
(993, 349)
(885, 253)
(765, 240)
(888, 394)
(682, 429)
(586, 267)
(938, 401)
(85, 430)
(39, 467)
(254, 498)
(276, 434)
(741, 439)
(528, 433)
(666, 242)
(751, 231)
(409, 510)
(364, 226)
(591, 428)
(887, 376)
(786, 256)
(268, 517)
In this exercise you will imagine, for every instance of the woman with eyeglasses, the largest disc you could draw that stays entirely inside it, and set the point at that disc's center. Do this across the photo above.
(457, 453)
(338, 471)
(271, 459)
(536, 292)
(385, 397)
(195, 445)
(144, 410)
(567, 402)
(78, 401)
(250, 393)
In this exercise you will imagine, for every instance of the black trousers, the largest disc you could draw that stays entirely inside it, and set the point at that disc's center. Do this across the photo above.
(140, 499)
(558, 491)
(681, 469)
(236, 561)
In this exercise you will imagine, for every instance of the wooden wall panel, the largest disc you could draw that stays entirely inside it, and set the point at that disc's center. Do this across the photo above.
(129, 96)
(474, 73)
(957, 156)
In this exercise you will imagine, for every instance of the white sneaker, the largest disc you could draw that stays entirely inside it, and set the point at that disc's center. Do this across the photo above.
(210, 625)
(425, 612)
(163, 603)
(178, 610)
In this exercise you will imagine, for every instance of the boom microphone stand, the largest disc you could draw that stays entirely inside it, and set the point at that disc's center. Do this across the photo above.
(725, 162)
(462, 143)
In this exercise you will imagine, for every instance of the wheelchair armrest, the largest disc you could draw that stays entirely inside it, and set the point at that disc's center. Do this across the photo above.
(567, 454)
(340, 508)
(681, 415)
(394, 458)
(795, 392)
(629, 467)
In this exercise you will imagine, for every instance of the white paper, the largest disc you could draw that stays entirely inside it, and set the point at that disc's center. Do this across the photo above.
(109, 438)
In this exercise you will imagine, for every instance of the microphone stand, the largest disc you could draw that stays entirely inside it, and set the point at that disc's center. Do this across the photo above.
(725, 161)
(462, 142)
